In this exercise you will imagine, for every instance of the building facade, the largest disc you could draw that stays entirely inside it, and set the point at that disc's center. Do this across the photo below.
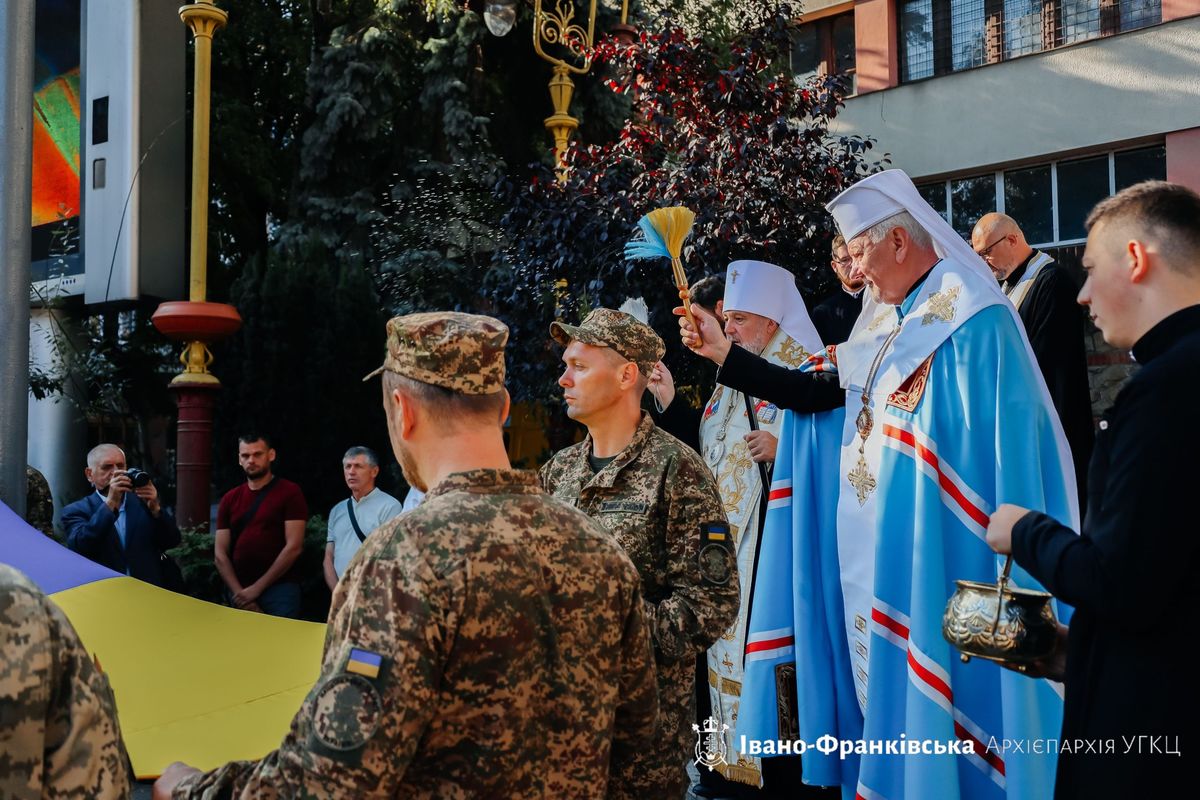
(1037, 108)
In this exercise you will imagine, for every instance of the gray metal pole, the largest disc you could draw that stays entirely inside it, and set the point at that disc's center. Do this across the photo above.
(16, 189)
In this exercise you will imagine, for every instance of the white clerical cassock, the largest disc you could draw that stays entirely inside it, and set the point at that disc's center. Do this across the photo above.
(769, 291)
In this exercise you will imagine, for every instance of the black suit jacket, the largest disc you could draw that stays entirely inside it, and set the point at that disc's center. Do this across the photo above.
(1054, 323)
(834, 318)
(1133, 577)
(92, 532)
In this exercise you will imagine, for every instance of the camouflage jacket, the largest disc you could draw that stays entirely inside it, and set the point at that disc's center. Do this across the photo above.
(489, 643)
(661, 502)
(59, 735)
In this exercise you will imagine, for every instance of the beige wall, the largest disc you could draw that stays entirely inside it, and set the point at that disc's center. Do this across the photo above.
(811, 7)
(1128, 87)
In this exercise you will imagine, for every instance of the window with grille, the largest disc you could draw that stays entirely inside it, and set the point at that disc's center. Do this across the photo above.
(825, 47)
(1049, 201)
(938, 37)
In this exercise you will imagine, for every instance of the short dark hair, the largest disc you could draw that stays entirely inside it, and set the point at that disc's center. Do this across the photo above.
(707, 291)
(250, 437)
(1166, 214)
(446, 405)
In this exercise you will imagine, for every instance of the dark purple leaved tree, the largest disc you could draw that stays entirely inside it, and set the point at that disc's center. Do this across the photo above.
(722, 128)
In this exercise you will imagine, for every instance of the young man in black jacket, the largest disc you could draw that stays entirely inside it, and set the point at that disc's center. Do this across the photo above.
(1131, 694)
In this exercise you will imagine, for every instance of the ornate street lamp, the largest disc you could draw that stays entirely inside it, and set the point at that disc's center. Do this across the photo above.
(555, 27)
(196, 321)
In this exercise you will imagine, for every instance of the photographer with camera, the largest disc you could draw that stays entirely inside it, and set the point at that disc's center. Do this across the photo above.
(121, 525)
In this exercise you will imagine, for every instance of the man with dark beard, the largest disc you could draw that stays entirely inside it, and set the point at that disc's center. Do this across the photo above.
(260, 534)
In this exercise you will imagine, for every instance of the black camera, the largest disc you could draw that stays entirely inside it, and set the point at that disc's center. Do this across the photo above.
(137, 477)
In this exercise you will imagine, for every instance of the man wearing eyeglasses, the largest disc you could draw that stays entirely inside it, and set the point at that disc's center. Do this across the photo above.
(1044, 294)
(836, 315)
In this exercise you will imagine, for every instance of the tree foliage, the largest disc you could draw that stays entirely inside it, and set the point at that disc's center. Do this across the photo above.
(718, 126)
(372, 158)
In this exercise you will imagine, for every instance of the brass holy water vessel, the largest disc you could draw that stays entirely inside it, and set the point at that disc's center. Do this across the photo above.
(1001, 623)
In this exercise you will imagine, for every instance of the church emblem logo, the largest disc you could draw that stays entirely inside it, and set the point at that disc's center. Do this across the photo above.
(710, 743)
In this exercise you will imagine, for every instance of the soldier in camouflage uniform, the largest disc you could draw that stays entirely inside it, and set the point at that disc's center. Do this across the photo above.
(490, 643)
(59, 735)
(660, 501)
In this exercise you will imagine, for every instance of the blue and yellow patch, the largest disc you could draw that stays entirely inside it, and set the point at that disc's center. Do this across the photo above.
(364, 662)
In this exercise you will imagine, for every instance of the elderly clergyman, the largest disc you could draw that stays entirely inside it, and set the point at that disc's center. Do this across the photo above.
(942, 415)
(764, 315)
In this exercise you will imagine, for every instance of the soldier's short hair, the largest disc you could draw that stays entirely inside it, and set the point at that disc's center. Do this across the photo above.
(1166, 214)
(447, 406)
(365, 452)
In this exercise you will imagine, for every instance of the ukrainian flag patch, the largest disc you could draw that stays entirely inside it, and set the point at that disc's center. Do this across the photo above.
(364, 662)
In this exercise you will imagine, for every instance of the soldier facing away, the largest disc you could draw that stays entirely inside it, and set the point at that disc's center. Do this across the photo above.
(658, 498)
(59, 735)
(490, 643)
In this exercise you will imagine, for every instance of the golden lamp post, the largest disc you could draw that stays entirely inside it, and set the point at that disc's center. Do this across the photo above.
(197, 322)
(555, 28)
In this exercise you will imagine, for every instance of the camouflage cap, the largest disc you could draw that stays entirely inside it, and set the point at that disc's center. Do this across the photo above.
(460, 352)
(632, 340)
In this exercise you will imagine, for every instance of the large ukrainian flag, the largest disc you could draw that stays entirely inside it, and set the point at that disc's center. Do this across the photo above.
(194, 681)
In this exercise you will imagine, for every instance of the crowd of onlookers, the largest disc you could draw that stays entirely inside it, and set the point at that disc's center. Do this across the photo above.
(259, 531)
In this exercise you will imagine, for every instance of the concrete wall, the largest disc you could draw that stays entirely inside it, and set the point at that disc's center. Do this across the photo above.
(815, 9)
(1118, 89)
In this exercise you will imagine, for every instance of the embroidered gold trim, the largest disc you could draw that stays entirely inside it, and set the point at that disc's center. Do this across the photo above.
(791, 352)
(878, 321)
(941, 306)
(908, 396)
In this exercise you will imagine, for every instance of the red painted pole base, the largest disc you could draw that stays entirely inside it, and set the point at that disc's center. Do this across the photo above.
(193, 460)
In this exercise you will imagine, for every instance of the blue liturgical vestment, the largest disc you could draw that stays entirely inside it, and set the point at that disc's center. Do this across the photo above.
(861, 551)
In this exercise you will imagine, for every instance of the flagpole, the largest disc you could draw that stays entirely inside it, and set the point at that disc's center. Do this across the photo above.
(16, 190)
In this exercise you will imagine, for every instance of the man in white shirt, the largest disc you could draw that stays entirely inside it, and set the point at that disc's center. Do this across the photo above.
(365, 510)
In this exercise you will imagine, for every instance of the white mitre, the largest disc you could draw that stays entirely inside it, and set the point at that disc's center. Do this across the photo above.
(886, 194)
(770, 291)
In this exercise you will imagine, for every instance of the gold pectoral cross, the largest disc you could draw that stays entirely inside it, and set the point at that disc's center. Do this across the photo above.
(862, 480)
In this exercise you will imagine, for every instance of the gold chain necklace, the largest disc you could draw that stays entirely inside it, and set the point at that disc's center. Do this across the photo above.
(860, 477)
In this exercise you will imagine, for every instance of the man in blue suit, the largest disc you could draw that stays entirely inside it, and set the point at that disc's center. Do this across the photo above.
(122, 527)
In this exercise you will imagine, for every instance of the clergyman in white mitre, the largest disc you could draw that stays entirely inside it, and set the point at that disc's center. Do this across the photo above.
(941, 415)
(765, 315)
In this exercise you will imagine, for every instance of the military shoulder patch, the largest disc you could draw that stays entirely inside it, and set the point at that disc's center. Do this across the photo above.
(364, 662)
(716, 553)
(346, 713)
